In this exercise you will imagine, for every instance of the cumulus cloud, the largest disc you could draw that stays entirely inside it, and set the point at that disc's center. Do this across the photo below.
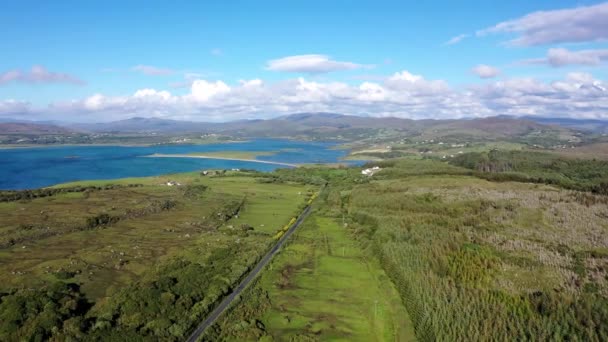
(251, 83)
(13, 107)
(369, 91)
(405, 81)
(485, 71)
(457, 39)
(203, 90)
(579, 80)
(189, 78)
(403, 94)
(559, 57)
(311, 64)
(38, 74)
(580, 24)
(578, 95)
(152, 70)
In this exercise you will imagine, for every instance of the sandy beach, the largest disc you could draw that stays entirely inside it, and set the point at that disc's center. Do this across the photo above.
(158, 155)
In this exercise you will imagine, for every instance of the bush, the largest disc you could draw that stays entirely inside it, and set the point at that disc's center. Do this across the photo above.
(10, 196)
(101, 220)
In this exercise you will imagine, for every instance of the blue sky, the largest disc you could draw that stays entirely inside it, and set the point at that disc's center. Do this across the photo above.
(86, 61)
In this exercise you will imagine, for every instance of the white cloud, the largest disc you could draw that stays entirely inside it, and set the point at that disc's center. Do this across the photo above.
(203, 90)
(578, 95)
(312, 64)
(152, 70)
(457, 39)
(251, 83)
(559, 57)
(38, 74)
(14, 107)
(405, 81)
(402, 94)
(580, 24)
(95, 102)
(405, 76)
(369, 91)
(153, 95)
(485, 71)
(580, 77)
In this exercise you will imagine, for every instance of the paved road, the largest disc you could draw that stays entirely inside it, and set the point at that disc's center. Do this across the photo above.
(217, 312)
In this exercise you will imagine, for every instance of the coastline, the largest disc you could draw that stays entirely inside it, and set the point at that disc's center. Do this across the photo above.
(17, 146)
(160, 155)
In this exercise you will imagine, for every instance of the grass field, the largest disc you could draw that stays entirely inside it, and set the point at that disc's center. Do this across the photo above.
(590, 151)
(429, 148)
(423, 250)
(470, 259)
(481, 260)
(52, 239)
(323, 286)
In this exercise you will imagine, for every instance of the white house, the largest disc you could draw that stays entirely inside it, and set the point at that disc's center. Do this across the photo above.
(370, 171)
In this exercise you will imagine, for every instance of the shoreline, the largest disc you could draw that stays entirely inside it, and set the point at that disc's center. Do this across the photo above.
(160, 155)
(338, 145)
(17, 146)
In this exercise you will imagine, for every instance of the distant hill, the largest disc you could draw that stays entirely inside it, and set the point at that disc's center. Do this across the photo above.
(341, 121)
(139, 124)
(346, 127)
(491, 127)
(303, 123)
(593, 125)
(32, 128)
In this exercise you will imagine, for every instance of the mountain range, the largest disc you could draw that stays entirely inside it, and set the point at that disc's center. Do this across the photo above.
(317, 124)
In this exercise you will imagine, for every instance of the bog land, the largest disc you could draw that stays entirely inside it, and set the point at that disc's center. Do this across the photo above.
(506, 245)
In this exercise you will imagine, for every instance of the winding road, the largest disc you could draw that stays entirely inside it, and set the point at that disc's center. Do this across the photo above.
(217, 312)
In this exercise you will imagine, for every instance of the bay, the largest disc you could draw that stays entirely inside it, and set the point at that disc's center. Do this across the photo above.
(27, 168)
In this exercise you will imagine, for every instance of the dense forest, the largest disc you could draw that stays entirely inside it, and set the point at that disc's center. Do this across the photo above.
(538, 167)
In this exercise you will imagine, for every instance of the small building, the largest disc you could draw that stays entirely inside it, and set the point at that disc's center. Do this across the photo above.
(370, 172)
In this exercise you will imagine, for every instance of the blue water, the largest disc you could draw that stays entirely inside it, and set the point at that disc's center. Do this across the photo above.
(27, 168)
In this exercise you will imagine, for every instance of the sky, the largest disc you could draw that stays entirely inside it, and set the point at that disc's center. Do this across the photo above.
(94, 61)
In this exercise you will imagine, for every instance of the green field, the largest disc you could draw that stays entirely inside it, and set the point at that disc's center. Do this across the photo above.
(479, 260)
(113, 240)
(471, 259)
(492, 245)
(323, 286)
